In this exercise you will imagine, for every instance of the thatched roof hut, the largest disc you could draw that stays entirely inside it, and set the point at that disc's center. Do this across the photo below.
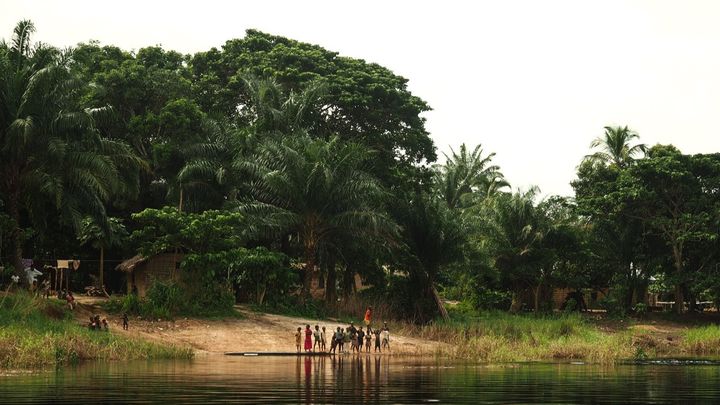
(141, 271)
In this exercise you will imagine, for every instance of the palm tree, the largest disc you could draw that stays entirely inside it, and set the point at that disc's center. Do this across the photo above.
(615, 147)
(51, 155)
(466, 174)
(317, 191)
(433, 237)
(514, 229)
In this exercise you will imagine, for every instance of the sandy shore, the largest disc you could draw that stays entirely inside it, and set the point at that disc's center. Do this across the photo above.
(251, 332)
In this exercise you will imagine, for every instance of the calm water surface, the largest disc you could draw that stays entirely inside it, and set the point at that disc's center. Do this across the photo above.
(365, 379)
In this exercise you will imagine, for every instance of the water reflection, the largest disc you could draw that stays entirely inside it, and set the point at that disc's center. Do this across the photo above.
(348, 379)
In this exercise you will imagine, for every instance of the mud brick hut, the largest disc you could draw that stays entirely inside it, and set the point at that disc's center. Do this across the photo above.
(142, 271)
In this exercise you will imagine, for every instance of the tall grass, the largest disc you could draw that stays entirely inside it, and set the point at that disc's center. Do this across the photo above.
(37, 333)
(502, 337)
(702, 340)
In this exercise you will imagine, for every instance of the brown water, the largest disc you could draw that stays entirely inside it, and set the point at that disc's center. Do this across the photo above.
(365, 379)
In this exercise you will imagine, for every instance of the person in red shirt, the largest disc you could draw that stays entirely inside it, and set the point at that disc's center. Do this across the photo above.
(368, 316)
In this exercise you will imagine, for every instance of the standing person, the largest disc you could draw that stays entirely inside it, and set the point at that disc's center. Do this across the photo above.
(360, 339)
(316, 336)
(298, 339)
(125, 321)
(353, 339)
(368, 338)
(323, 339)
(308, 338)
(386, 336)
(346, 339)
(70, 300)
(340, 338)
(333, 341)
(368, 316)
(377, 340)
(46, 288)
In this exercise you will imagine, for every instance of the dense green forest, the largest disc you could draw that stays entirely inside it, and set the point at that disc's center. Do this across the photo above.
(270, 163)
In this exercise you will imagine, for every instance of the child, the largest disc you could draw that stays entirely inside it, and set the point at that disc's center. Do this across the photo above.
(125, 321)
(333, 341)
(105, 324)
(353, 339)
(316, 335)
(386, 336)
(377, 340)
(368, 338)
(360, 337)
(70, 300)
(322, 339)
(340, 338)
(346, 338)
(298, 339)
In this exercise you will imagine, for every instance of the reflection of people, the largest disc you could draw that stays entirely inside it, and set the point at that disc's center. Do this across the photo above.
(368, 316)
(308, 338)
(298, 338)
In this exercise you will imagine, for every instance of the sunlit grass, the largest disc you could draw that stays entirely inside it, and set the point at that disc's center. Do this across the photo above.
(39, 333)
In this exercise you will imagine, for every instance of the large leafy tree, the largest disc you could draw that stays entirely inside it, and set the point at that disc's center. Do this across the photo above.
(365, 103)
(675, 196)
(102, 236)
(314, 190)
(52, 158)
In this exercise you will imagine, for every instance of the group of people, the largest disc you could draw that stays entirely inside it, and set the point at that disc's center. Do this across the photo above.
(97, 324)
(351, 338)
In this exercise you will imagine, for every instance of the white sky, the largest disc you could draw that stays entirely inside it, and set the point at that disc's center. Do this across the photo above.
(533, 81)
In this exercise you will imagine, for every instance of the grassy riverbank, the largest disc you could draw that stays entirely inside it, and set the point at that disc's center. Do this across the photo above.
(502, 337)
(38, 333)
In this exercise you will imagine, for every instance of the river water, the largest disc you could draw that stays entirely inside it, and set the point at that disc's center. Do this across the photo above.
(360, 379)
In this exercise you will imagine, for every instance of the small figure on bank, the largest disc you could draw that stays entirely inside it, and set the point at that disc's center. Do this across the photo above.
(377, 332)
(368, 316)
(46, 288)
(125, 321)
(347, 340)
(308, 338)
(386, 336)
(70, 300)
(298, 339)
(316, 336)
(353, 339)
(360, 339)
(368, 339)
(323, 339)
(105, 324)
(92, 325)
(333, 341)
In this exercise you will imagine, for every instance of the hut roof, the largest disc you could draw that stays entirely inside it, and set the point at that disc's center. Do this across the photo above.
(130, 264)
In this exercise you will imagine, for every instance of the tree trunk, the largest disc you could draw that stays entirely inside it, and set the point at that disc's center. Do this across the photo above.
(309, 270)
(438, 301)
(101, 280)
(16, 236)
(538, 289)
(679, 295)
(679, 299)
(331, 280)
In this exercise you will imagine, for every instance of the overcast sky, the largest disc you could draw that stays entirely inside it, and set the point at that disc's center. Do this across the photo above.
(534, 81)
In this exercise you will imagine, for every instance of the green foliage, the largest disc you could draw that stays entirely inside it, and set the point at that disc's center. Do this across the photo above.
(265, 272)
(161, 230)
(38, 333)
